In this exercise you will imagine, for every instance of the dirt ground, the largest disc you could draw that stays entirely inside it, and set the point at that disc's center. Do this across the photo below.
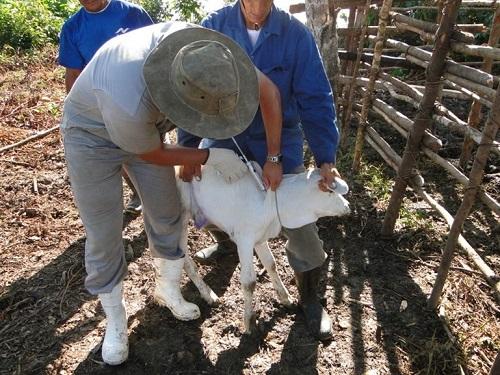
(374, 289)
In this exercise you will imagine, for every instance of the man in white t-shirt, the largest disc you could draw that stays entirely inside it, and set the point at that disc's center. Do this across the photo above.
(200, 80)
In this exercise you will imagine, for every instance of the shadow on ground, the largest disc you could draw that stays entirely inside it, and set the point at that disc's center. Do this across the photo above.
(366, 281)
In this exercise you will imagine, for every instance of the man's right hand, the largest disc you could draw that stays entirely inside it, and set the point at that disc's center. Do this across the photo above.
(187, 172)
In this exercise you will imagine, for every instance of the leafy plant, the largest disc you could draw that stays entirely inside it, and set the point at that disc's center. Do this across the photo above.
(186, 10)
(182, 10)
(157, 9)
(376, 182)
(29, 24)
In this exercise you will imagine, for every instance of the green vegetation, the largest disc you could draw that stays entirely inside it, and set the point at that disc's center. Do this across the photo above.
(378, 185)
(163, 10)
(31, 24)
(376, 182)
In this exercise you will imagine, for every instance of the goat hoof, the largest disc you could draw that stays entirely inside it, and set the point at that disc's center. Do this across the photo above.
(251, 325)
(211, 298)
(287, 301)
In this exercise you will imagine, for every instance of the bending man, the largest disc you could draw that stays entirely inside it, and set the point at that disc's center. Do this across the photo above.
(201, 81)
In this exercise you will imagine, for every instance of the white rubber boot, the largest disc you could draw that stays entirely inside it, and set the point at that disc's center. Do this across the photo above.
(115, 345)
(168, 292)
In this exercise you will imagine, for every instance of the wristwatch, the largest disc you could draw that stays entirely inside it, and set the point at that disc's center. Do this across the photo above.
(275, 158)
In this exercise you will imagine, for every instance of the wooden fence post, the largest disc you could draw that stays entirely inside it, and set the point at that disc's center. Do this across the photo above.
(423, 118)
(475, 109)
(475, 179)
(379, 45)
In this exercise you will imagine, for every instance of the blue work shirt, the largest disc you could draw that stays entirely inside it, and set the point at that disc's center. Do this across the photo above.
(286, 53)
(85, 32)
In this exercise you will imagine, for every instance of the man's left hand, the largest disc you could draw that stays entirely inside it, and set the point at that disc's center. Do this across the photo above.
(328, 173)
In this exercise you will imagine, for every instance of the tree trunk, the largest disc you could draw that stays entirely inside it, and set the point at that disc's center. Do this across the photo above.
(317, 16)
(321, 19)
(423, 119)
(329, 48)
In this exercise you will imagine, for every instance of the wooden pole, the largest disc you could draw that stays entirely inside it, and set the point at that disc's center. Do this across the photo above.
(472, 254)
(431, 27)
(487, 199)
(475, 179)
(439, 15)
(471, 94)
(424, 115)
(385, 59)
(346, 118)
(472, 74)
(481, 51)
(392, 115)
(394, 160)
(393, 30)
(29, 139)
(349, 37)
(375, 68)
(475, 110)
(462, 129)
(414, 98)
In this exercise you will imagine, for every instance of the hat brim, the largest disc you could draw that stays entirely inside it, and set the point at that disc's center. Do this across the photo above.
(156, 72)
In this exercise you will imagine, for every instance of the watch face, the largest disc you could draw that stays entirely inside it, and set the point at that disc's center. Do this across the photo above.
(275, 158)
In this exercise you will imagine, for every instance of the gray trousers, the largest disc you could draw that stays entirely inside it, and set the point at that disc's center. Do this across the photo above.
(94, 168)
(304, 249)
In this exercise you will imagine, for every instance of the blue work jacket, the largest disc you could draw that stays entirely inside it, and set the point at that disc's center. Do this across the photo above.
(287, 53)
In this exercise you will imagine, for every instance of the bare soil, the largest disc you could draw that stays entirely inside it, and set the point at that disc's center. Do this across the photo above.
(374, 289)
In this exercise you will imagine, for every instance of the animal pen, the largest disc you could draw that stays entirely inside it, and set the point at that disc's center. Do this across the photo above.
(440, 65)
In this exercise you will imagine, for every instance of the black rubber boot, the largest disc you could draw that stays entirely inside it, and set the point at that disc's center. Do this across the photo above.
(317, 318)
(222, 246)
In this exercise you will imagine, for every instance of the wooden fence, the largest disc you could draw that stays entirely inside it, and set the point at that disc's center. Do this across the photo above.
(369, 56)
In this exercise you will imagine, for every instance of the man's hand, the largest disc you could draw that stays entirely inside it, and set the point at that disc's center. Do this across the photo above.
(187, 172)
(328, 173)
(272, 174)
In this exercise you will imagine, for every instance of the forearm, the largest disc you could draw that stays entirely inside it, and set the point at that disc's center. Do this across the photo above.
(176, 155)
(70, 78)
(270, 108)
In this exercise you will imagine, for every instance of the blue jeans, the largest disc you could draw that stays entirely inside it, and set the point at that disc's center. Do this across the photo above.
(95, 171)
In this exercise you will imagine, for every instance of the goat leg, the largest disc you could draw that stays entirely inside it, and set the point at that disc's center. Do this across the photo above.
(191, 269)
(248, 280)
(205, 291)
(267, 258)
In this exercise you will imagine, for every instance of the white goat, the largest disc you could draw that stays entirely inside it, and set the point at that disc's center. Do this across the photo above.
(250, 217)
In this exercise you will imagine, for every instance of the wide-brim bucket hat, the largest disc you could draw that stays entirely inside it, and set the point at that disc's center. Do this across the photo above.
(203, 82)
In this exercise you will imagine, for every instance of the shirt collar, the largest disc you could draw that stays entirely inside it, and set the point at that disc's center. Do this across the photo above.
(272, 25)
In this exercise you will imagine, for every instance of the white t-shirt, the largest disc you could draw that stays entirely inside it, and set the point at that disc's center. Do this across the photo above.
(253, 35)
(110, 98)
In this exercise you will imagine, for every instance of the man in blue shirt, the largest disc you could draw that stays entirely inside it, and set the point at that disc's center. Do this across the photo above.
(284, 50)
(85, 32)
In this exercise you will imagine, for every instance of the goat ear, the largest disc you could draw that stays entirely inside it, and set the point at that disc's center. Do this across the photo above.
(312, 173)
